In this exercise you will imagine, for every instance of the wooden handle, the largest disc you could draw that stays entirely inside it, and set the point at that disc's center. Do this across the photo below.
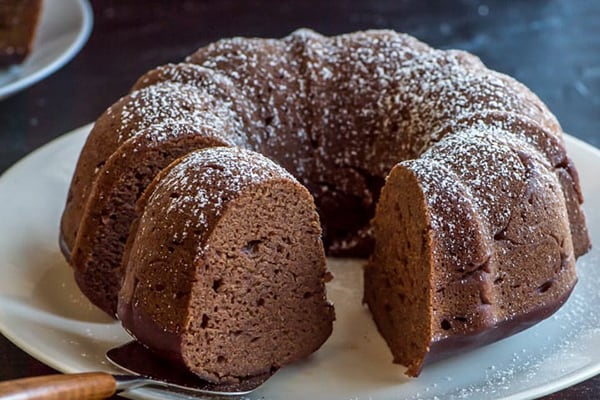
(84, 386)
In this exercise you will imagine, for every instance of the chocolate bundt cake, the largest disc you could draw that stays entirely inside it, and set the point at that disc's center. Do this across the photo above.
(480, 221)
(225, 268)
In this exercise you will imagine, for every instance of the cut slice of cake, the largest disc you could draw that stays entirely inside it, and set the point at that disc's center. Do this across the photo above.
(225, 272)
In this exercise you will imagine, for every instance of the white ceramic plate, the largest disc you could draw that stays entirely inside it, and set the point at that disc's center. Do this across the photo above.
(43, 312)
(65, 26)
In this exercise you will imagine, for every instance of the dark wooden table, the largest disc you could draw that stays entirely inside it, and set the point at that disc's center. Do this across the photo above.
(552, 46)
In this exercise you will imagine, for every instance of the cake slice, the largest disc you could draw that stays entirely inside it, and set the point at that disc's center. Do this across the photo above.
(225, 268)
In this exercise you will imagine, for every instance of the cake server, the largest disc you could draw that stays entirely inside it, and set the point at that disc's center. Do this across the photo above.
(144, 370)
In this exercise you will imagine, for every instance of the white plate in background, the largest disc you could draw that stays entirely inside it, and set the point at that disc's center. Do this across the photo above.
(65, 26)
(43, 312)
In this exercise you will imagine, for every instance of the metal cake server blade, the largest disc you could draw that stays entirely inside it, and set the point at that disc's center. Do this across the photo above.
(137, 360)
(144, 370)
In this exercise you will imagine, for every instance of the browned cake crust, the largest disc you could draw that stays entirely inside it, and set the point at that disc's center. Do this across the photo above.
(18, 24)
(184, 119)
(225, 270)
(105, 231)
(339, 113)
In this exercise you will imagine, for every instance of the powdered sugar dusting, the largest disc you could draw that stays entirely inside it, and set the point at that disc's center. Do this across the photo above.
(447, 85)
(173, 104)
(476, 170)
(332, 105)
(486, 162)
(350, 82)
(200, 186)
(454, 214)
(268, 72)
(338, 113)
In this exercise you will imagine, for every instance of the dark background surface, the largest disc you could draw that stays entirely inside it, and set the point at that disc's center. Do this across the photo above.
(551, 46)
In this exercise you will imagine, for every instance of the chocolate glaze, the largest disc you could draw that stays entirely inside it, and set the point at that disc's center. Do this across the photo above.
(136, 358)
(166, 343)
(457, 344)
(166, 349)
